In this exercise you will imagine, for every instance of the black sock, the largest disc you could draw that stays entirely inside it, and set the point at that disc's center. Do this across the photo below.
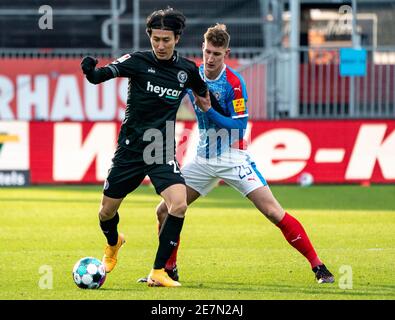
(168, 239)
(109, 228)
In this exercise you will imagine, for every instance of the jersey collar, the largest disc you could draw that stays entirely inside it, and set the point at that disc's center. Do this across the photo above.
(219, 75)
(173, 59)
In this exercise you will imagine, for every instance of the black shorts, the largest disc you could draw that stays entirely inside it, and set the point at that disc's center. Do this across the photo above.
(126, 174)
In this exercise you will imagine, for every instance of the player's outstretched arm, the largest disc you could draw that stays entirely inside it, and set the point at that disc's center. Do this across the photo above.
(226, 122)
(95, 76)
(203, 102)
(207, 105)
(88, 64)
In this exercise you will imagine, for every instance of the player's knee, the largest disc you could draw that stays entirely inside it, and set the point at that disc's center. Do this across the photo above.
(273, 213)
(106, 213)
(178, 208)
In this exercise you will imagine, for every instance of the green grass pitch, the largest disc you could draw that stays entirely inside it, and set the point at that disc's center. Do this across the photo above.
(228, 249)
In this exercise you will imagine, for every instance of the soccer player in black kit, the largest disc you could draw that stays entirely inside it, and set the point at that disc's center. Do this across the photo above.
(158, 81)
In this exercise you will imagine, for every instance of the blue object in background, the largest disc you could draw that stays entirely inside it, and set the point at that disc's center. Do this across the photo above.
(352, 62)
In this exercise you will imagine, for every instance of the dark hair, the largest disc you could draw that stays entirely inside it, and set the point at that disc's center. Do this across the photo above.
(218, 36)
(166, 19)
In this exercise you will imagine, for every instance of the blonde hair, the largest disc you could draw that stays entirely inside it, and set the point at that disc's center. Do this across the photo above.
(217, 36)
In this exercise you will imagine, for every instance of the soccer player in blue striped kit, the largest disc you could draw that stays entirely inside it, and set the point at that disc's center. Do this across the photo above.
(228, 160)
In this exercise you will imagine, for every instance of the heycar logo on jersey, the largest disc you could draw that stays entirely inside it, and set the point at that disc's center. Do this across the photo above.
(168, 93)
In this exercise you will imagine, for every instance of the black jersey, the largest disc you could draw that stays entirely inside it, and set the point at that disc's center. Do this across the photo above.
(156, 88)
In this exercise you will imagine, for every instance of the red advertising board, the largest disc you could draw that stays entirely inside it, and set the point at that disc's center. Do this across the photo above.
(331, 151)
(56, 90)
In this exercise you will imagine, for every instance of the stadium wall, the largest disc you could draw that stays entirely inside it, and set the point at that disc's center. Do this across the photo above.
(343, 151)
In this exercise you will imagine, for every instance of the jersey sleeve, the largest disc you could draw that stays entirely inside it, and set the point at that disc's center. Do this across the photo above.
(236, 96)
(124, 66)
(196, 83)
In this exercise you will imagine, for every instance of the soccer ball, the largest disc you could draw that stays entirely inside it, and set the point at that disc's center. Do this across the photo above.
(89, 273)
(306, 179)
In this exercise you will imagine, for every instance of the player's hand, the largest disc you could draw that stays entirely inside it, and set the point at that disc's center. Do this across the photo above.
(88, 64)
(204, 103)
